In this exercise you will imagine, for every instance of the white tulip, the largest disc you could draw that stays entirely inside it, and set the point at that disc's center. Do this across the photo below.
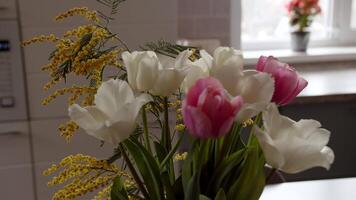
(292, 146)
(227, 66)
(197, 70)
(171, 73)
(256, 89)
(160, 75)
(142, 69)
(113, 118)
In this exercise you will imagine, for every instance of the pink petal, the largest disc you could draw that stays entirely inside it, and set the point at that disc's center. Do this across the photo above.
(286, 81)
(198, 87)
(302, 83)
(261, 63)
(226, 126)
(197, 122)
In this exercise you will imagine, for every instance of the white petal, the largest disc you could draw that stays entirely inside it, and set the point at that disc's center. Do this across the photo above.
(249, 110)
(301, 144)
(166, 61)
(147, 71)
(182, 61)
(131, 67)
(114, 133)
(303, 159)
(273, 156)
(227, 67)
(89, 118)
(206, 59)
(112, 95)
(195, 72)
(255, 87)
(256, 90)
(168, 82)
(136, 105)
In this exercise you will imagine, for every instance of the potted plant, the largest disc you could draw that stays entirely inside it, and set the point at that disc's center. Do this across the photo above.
(301, 14)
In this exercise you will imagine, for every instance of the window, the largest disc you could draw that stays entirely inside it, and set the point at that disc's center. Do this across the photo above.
(353, 15)
(265, 25)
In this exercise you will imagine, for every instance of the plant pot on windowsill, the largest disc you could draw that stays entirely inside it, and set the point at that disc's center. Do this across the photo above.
(300, 41)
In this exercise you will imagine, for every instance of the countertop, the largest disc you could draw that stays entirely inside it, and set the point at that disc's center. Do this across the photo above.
(327, 84)
(332, 189)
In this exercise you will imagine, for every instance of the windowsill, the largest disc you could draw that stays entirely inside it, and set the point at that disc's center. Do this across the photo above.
(325, 54)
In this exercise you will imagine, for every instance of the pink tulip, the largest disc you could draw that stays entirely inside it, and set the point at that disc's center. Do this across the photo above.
(207, 110)
(288, 83)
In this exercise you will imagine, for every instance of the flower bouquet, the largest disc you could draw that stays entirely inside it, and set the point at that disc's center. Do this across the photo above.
(165, 95)
(302, 13)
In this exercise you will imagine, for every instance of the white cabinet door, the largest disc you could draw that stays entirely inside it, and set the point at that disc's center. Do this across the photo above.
(16, 180)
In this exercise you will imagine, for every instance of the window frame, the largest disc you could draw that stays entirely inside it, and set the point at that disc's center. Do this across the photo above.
(339, 19)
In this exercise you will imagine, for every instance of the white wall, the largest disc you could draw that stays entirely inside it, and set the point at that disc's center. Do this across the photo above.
(138, 22)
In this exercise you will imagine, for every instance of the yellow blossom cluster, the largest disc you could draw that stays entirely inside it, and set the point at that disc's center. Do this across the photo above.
(81, 52)
(41, 38)
(83, 11)
(68, 129)
(248, 122)
(74, 90)
(103, 194)
(180, 127)
(82, 174)
(180, 156)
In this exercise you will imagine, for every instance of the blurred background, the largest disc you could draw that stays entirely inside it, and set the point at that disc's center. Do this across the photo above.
(29, 139)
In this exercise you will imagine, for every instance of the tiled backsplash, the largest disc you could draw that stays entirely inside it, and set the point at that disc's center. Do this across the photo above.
(204, 19)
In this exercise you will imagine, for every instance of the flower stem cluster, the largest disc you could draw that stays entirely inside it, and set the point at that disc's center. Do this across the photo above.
(83, 174)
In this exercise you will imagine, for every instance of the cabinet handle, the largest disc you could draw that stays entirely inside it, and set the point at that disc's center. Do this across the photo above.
(10, 133)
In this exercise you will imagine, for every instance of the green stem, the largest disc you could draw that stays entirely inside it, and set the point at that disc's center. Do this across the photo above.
(145, 130)
(166, 136)
(258, 121)
(133, 172)
(170, 154)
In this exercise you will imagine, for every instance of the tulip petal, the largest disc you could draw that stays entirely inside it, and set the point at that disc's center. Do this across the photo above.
(206, 59)
(168, 82)
(112, 95)
(302, 83)
(89, 118)
(303, 159)
(131, 67)
(256, 89)
(301, 144)
(273, 156)
(114, 133)
(261, 63)
(197, 121)
(227, 67)
(147, 71)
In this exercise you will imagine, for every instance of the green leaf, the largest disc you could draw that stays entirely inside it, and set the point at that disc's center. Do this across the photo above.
(171, 153)
(193, 188)
(202, 197)
(118, 191)
(187, 169)
(178, 188)
(251, 180)
(160, 151)
(169, 190)
(148, 168)
(221, 195)
(224, 169)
